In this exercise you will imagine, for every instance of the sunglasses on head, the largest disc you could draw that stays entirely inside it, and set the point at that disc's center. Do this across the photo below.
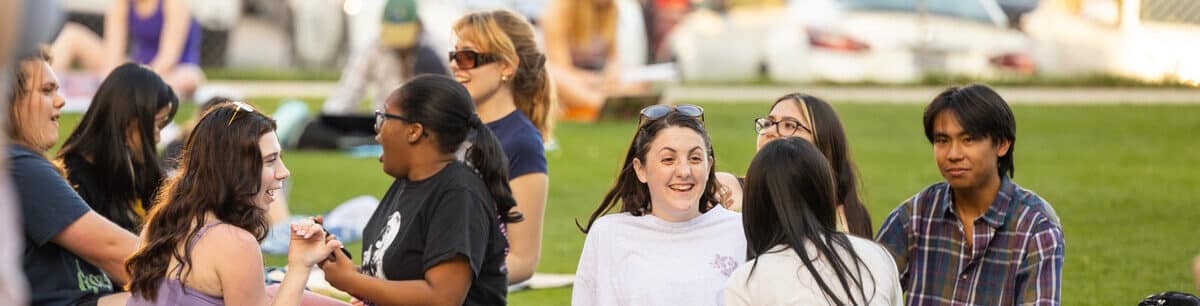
(239, 106)
(469, 59)
(655, 112)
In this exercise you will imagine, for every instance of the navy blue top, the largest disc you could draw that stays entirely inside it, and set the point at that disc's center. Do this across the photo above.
(48, 206)
(521, 142)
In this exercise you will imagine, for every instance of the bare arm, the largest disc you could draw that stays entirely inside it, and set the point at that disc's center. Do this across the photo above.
(242, 279)
(99, 242)
(734, 189)
(116, 33)
(525, 237)
(174, 35)
(445, 283)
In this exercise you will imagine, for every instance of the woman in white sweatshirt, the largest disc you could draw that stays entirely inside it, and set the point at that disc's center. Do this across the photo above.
(670, 243)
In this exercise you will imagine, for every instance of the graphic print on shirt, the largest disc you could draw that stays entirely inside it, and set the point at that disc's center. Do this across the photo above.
(373, 256)
(724, 264)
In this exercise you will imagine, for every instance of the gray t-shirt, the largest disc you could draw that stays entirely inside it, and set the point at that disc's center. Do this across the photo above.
(49, 205)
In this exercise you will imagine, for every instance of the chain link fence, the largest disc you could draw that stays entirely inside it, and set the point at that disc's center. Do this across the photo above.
(1171, 11)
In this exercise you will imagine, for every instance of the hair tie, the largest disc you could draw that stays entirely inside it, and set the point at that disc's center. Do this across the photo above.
(474, 121)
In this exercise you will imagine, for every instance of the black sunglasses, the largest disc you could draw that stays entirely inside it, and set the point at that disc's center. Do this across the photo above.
(381, 116)
(655, 112)
(469, 59)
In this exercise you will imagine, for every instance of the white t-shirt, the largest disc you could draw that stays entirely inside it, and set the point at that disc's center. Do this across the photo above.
(645, 260)
(781, 278)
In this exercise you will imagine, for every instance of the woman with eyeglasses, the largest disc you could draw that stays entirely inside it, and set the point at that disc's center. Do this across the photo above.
(437, 236)
(497, 59)
(670, 242)
(797, 255)
(111, 157)
(200, 243)
(814, 120)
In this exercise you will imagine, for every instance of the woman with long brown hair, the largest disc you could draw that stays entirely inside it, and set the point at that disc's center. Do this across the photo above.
(496, 58)
(200, 242)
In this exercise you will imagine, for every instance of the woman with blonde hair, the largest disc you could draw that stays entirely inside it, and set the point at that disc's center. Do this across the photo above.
(581, 45)
(497, 59)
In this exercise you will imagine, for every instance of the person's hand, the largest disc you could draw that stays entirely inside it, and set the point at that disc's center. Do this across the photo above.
(357, 302)
(338, 269)
(309, 245)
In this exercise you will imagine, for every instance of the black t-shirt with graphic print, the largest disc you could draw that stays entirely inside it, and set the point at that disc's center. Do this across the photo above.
(420, 224)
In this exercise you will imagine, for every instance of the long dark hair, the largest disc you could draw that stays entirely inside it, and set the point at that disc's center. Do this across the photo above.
(444, 107)
(790, 201)
(830, 138)
(220, 174)
(981, 112)
(635, 195)
(131, 94)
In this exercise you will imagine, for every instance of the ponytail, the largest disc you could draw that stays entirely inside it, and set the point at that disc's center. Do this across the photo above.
(489, 161)
(533, 93)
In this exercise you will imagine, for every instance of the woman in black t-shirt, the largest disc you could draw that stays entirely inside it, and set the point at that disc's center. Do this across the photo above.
(437, 236)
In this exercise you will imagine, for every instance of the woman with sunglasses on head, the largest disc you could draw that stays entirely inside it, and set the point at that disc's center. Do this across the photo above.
(72, 255)
(496, 58)
(111, 159)
(200, 244)
(797, 255)
(436, 237)
(670, 243)
(814, 120)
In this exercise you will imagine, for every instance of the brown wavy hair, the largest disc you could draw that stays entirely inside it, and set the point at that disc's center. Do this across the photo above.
(510, 38)
(220, 172)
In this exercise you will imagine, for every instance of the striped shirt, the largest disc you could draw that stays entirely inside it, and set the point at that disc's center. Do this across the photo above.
(1016, 255)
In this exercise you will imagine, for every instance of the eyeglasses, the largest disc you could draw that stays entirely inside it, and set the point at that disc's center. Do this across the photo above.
(655, 112)
(381, 116)
(785, 127)
(239, 106)
(469, 59)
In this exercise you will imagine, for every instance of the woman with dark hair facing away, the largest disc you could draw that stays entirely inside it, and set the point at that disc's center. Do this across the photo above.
(812, 119)
(496, 58)
(437, 236)
(200, 244)
(72, 255)
(797, 255)
(110, 158)
(671, 243)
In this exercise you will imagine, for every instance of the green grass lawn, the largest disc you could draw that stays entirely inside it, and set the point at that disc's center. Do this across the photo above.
(1122, 179)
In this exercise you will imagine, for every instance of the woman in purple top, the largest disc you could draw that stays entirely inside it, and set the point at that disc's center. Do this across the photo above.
(160, 33)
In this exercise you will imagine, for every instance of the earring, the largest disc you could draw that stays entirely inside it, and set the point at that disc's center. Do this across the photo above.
(504, 78)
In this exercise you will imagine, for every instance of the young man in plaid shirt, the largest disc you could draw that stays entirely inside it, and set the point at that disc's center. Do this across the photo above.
(978, 238)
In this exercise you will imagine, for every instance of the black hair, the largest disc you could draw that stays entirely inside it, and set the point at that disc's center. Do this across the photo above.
(444, 107)
(635, 195)
(790, 200)
(831, 139)
(131, 94)
(982, 113)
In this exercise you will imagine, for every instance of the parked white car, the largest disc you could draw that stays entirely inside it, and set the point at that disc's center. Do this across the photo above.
(851, 40)
(1148, 40)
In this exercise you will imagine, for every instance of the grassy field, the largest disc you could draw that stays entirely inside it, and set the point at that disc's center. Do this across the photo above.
(1122, 179)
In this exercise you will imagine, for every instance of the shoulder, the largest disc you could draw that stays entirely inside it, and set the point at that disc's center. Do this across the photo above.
(612, 223)
(871, 252)
(1038, 209)
(229, 239)
(516, 129)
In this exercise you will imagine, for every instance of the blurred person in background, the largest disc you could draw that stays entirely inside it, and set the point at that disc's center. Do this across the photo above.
(110, 158)
(670, 242)
(581, 46)
(73, 255)
(398, 54)
(815, 121)
(159, 33)
(497, 59)
(976, 238)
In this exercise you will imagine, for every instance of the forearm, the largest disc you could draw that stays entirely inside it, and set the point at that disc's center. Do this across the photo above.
(520, 268)
(388, 292)
(291, 290)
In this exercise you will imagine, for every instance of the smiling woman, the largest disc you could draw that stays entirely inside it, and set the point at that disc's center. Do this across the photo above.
(671, 233)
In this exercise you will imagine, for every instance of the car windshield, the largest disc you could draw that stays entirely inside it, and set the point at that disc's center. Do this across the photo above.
(966, 9)
(1171, 11)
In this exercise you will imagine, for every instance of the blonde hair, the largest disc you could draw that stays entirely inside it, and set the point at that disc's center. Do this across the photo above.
(587, 19)
(18, 80)
(510, 38)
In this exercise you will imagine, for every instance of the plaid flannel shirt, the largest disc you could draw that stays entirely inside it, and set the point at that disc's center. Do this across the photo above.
(1016, 256)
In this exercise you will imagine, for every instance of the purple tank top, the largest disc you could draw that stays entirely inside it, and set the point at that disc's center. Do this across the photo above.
(144, 34)
(172, 292)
